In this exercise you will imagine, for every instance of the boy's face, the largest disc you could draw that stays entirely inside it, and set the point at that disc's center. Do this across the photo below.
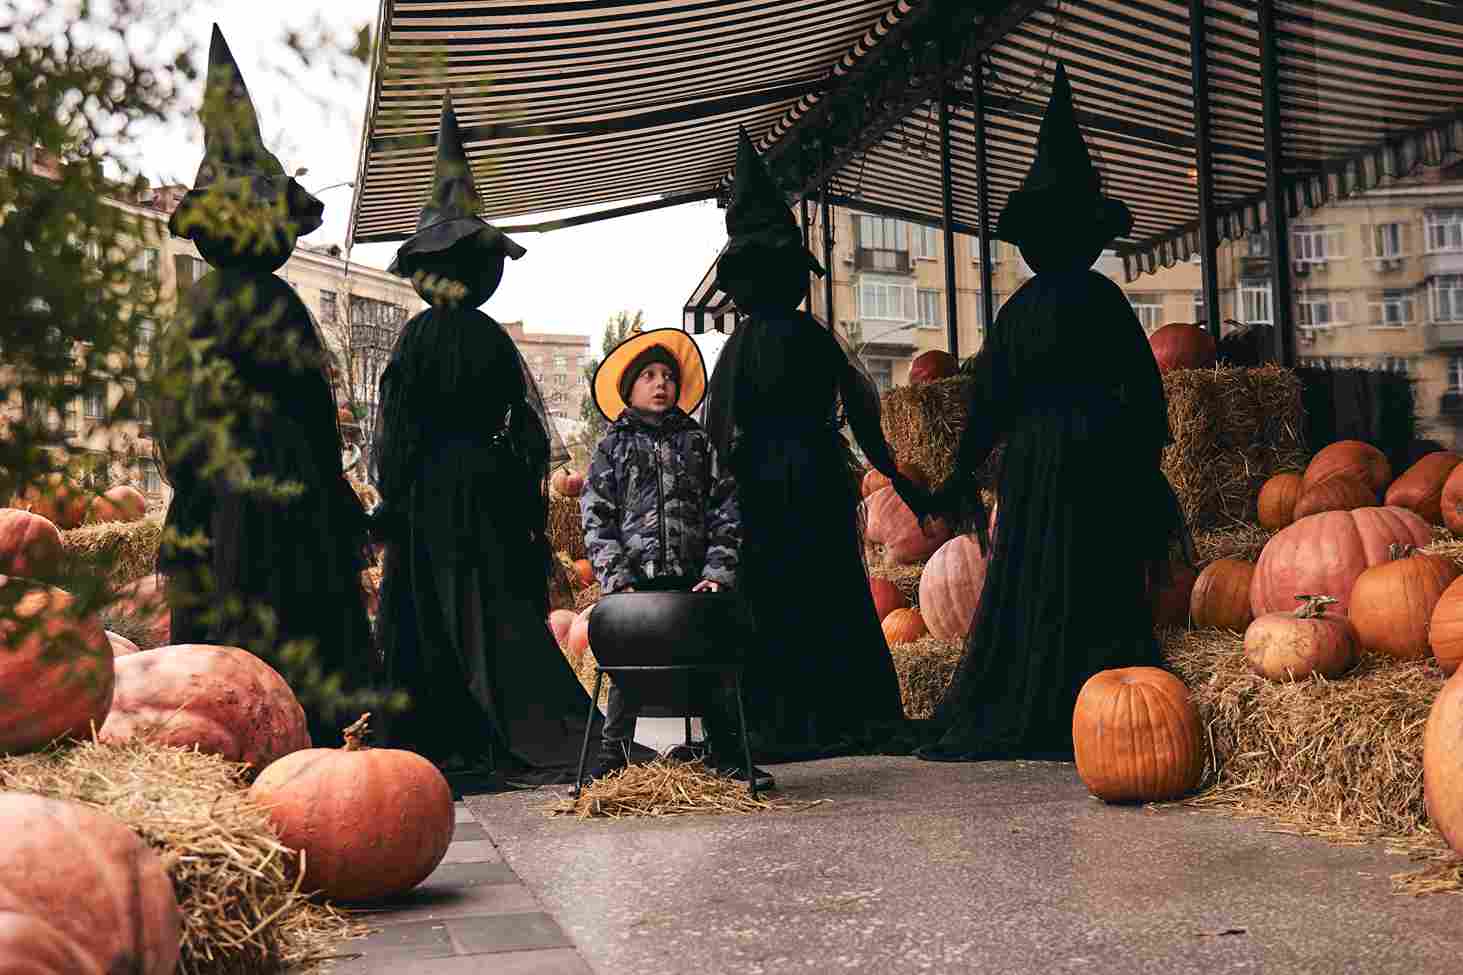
(654, 389)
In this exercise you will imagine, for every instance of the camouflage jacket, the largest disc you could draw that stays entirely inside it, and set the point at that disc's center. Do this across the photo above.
(655, 505)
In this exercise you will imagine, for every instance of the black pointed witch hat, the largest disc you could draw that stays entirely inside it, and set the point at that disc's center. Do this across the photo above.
(449, 220)
(758, 219)
(234, 154)
(1062, 183)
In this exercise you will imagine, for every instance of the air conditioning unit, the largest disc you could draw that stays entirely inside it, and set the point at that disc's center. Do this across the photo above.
(1302, 268)
(1391, 264)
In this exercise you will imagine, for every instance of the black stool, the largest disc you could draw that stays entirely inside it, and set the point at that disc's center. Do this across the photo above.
(654, 643)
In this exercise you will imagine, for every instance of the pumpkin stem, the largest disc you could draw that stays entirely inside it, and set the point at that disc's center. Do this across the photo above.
(355, 735)
(1398, 550)
(1312, 606)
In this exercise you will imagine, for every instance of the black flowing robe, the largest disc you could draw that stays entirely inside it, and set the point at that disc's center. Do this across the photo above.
(819, 678)
(462, 448)
(301, 557)
(1067, 382)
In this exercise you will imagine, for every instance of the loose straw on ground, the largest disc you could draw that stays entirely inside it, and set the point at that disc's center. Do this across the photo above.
(667, 788)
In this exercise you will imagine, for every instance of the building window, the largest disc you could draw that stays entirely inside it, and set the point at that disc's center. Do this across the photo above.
(95, 402)
(1448, 298)
(1391, 309)
(925, 241)
(929, 308)
(146, 263)
(70, 419)
(1444, 231)
(1317, 309)
(1149, 309)
(188, 269)
(1386, 241)
(329, 313)
(1316, 245)
(1258, 244)
(1255, 303)
(146, 332)
(881, 371)
(561, 362)
(1455, 374)
(152, 482)
(887, 300)
(881, 233)
(1393, 363)
(1199, 313)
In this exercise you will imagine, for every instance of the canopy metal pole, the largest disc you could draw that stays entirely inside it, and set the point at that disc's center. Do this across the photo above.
(808, 291)
(828, 256)
(983, 203)
(1204, 161)
(1280, 311)
(947, 218)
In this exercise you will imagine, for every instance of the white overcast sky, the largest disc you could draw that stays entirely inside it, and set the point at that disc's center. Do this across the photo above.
(570, 280)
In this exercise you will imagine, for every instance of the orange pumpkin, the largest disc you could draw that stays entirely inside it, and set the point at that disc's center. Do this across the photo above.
(1452, 502)
(1181, 345)
(1325, 553)
(1445, 628)
(1294, 645)
(560, 621)
(121, 646)
(58, 501)
(1171, 599)
(569, 484)
(584, 571)
(931, 366)
(1420, 488)
(892, 524)
(93, 879)
(1359, 459)
(56, 670)
(30, 946)
(1339, 492)
(1277, 501)
(887, 597)
(120, 503)
(1221, 596)
(1135, 733)
(30, 545)
(1392, 603)
(950, 588)
(1442, 763)
(220, 700)
(370, 822)
(903, 626)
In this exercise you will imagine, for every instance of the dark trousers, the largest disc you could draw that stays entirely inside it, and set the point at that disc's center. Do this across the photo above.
(623, 709)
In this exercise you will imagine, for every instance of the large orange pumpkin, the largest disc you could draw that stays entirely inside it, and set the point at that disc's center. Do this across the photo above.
(887, 597)
(120, 503)
(1183, 346)
(58, 501)
(1221, 595)
(1136, 736)
(370, 822)
(1420, 488)
(1277, 500)
(30, 946)
(950, 588)
(932, 365)
(1442, 763)
(1171, 599)
(1445, 628)
(1292, 646)
(1359, 459)
(903, 626)
(93, 879)
(1325, 553)
(892, 524)
(1452, 501)
(1392, 603)
(221, 700)
(56, 670)
(1339, 492)
(30, 545)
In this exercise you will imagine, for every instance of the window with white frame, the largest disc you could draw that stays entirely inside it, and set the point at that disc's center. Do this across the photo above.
(1320, 309)
(887, 300)
(1444, 231)
(329, 309)
(929, 308)
(1447, 295)
(1316, 244)
(1200, 312)
(1255, 303)
(1391, 309)
(1258, 244)
(1149, 309)
(1385, 241)
(996, 250)
(146, 262)
(882, 233)
(924, 241)
(95, 401)
(1394, 363)
(152, 482)
(1455, 374)
(561, 361)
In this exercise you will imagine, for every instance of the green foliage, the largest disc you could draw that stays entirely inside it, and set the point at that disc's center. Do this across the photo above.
(618, 327)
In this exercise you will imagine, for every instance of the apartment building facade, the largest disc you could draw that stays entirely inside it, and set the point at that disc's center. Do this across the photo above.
(557, 361)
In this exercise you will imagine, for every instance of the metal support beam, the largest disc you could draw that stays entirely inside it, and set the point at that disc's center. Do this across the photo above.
(983, 200)
(1204, 162)
(807, 231)
(1277, 217)
(947, 218)
(828, 258)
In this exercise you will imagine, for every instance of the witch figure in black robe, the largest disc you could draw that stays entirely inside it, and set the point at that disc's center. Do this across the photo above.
(298, 553)
(819, 677)
(1067, 382)
(461, 450)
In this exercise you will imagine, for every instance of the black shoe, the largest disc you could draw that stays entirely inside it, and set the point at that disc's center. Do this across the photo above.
(611, 759)
(760, 777)
(686, 752)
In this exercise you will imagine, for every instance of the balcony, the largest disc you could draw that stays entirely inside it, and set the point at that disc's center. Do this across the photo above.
(1443, 335)
(1254, 267)
(886, 261)
(1447, 262)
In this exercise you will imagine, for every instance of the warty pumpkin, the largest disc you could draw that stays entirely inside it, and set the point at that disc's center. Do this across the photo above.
(1277, 500)
(1339, 492)
(903, 626)
(370, 822)
(950, 587)
(1135, 733)
(1294, 645)
(567, 483)
(1420, 488)
(1221, 595)
(1392, 603)
(1355, 457)
(892, 524)
(30, 946)
(30, 545)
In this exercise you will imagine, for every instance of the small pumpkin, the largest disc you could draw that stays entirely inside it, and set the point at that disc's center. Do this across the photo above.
(1221, 595)
(93, 879)
(560, 621)
(120, 503)
(887, 597)
(933, 365)
(1294, 645)
(567, 483)
(57, 676)
(1442, 763)
(1181, 345)
(1355, 457)
(1277, 500)
(30, 545)
(369, 822)
(1170, 599)
(221, 700)
(58, 501)
(584, 571)
(903, 626)
(1451, 503)
(892, 524)
(1392, 603)
(950, 588)
(1339, 492)
(30, 946)
(1135, 735)
(1420, 488)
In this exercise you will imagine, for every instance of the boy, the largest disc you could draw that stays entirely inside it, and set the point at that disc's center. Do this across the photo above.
(657, 515)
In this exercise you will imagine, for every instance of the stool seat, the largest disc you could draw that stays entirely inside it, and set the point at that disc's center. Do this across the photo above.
(659, 629)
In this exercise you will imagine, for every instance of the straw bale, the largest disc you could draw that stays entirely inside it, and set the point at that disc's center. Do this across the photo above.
(586, 597)
(925, 668)
(923, 424)
(123, 551)
(1238, 541)
(235, 883)
(667, 788)
(566, 532)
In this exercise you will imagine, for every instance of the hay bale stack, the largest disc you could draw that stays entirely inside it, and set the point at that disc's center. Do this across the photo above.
(904, 577)
(123, 552)
(234, 881)
(1239, 541)
(924, 668)
(566, 532)
(923, 424)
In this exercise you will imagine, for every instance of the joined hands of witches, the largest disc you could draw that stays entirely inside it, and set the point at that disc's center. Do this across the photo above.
(705, 585)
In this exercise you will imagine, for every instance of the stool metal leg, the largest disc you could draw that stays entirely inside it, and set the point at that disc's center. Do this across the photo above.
(588, 730)
(746, 743)
(688, 729)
